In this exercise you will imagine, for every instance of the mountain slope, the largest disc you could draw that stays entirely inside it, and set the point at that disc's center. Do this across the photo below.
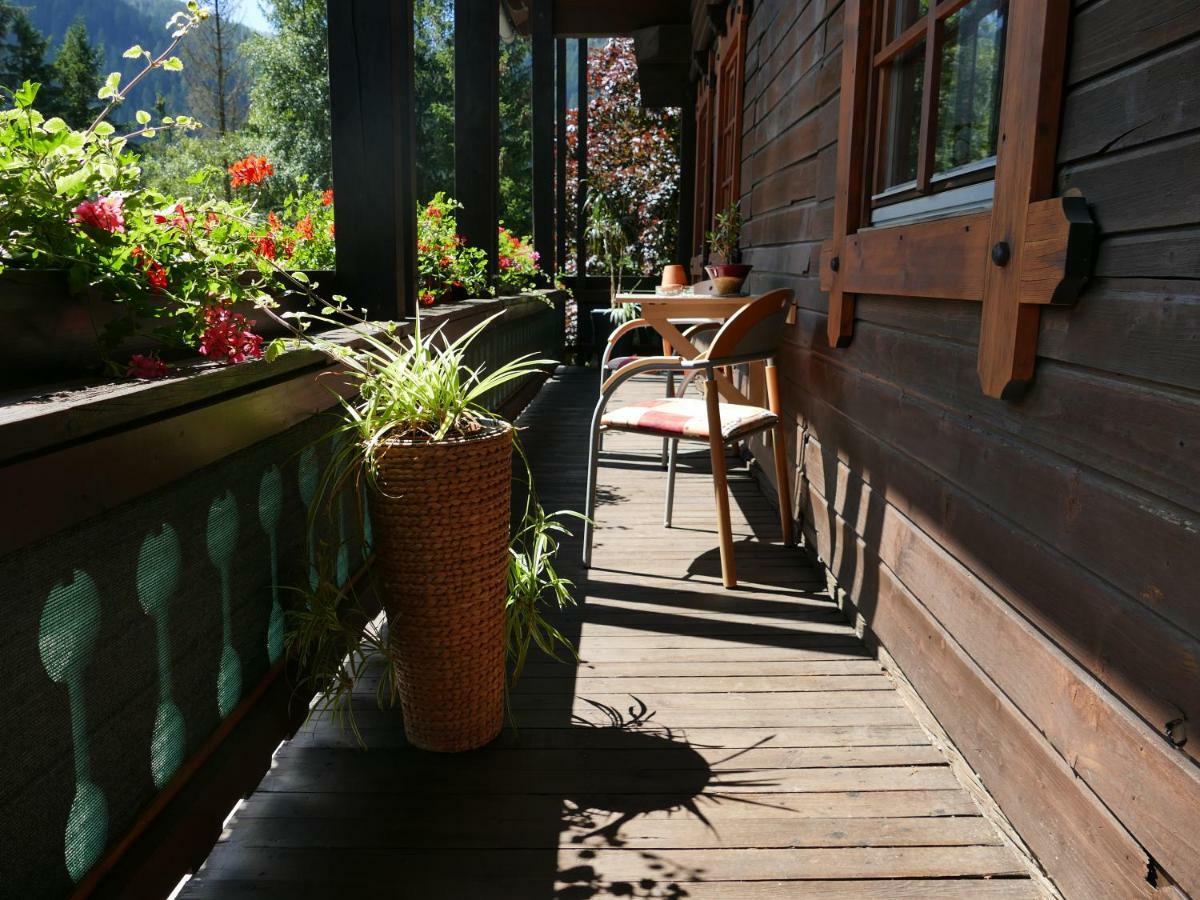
(117, 25)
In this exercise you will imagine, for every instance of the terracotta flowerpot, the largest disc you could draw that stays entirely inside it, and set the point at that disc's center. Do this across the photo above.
(674, 275)
(728, 278)
(441, 526)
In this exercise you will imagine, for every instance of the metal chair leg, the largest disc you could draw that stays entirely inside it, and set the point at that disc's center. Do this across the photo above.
(670, 394)
(593, 465)
(672, 461)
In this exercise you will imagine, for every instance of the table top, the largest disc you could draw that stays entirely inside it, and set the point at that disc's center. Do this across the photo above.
(681, 306)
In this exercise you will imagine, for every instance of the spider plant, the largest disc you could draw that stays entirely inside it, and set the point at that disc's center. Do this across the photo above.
(417, 388)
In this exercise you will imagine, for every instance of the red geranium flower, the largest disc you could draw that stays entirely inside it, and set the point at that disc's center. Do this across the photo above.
(228, 336)
(327, 198)
(433, 212)
(332, 229)
(156, 275)
(147, 367)
(505, 262)
(304, 228)
(251, 170)
(264, 246)
(427, 299)
(273, 223)
(103, 213)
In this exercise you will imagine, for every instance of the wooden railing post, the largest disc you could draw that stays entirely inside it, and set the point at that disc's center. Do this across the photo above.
(372, 125)
(477, 122)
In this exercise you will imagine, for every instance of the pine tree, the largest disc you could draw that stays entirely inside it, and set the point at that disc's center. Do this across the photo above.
(22, 48)
(77, 76)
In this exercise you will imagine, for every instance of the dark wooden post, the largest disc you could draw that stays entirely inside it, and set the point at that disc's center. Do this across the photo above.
(371, 109)
(560, 219)
(687, 177)
(581, 153)
(542, 27)
(477, 122)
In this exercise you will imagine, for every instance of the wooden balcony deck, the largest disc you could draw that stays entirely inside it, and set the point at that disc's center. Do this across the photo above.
(712, 744)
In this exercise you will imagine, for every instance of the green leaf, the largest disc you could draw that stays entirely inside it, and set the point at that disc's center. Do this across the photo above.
(112, 85)
(133, 52)
(70, 185)
(54, 126)
(143, 117)
(149, 133)
(104, 129)
(173, 64)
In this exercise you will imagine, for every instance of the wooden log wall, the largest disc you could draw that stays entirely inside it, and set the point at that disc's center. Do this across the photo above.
(1032, 566)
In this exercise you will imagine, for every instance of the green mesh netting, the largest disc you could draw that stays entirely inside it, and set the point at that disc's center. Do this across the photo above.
(128, 638)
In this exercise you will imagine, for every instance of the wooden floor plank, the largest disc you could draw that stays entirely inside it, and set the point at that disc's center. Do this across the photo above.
(709, 744)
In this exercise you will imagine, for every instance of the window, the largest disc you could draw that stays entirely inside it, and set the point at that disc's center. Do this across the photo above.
(938, 70)
(947, 130)
(719, 100)
(731, 68)
(702, 214)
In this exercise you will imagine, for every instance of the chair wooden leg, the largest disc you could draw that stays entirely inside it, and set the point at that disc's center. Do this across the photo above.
(779, 442)
(781, 483)
(720, 486)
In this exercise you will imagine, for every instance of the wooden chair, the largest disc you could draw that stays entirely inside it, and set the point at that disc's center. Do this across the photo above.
(751, 335)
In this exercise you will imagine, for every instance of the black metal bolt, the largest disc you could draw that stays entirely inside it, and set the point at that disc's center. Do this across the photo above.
(835, 263)
(1001, 254)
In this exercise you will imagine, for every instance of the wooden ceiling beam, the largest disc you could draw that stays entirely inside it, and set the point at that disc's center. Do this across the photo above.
(616, 18)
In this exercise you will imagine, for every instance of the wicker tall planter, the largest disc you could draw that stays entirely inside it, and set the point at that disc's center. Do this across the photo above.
(441, 524)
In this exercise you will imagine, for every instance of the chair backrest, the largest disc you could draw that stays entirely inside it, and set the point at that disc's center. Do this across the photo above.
(755, 329)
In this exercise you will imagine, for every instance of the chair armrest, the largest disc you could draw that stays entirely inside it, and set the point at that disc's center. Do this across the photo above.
(639, 367)
(617, 334)
(702, 326)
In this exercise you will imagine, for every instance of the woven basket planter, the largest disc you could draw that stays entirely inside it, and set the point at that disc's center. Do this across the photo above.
(441, 525)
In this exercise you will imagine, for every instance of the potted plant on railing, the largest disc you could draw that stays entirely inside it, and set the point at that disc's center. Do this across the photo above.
(457, 589)
(97, 266)
(729, 274)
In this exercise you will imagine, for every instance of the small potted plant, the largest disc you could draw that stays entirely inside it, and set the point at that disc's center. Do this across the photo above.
(729, 274)
(431, 471)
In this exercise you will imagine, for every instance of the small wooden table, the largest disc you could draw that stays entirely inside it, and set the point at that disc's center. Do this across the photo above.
(663, 313)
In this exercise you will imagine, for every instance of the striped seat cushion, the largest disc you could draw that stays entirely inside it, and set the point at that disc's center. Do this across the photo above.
(687, 418)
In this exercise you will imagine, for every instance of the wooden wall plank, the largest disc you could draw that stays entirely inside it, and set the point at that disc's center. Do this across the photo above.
(1134, 105)
(1085, 850)
(1152, 665)
(1137, 774)
(1109, 33)
(1041, 512)
(1157, 186)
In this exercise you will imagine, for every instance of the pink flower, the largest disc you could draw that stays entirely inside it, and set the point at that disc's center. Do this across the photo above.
(103, 213)
(227, 336)
(181, 218)
(147, 367)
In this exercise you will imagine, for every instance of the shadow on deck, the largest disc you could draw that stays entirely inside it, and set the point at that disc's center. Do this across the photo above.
(721, 745)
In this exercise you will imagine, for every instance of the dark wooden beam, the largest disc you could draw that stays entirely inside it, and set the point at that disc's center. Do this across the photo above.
(371, 106)
(560, 219)
(543, 132)
(477, 122)
(687, 177)
(581, 153)
(616, 18)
